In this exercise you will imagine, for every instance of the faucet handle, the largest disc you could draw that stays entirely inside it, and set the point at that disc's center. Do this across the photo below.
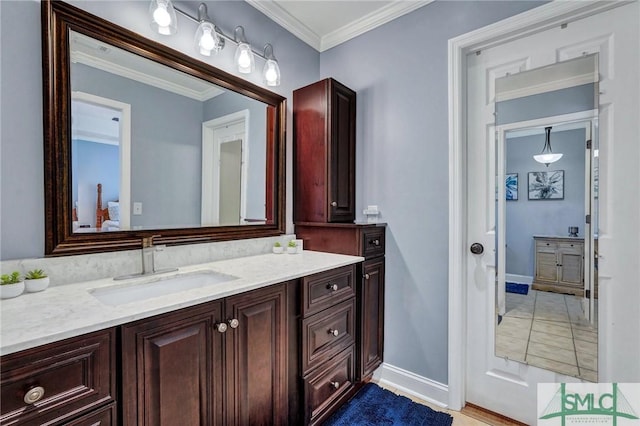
(148, 241)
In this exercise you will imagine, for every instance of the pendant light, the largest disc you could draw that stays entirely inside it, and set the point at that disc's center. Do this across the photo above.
(206, 38)
(163, 17)
(271, 70)
(244, 55)
(547, 156)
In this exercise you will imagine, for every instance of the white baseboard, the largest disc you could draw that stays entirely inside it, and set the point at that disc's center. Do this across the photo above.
(520, 279)
(412, 384)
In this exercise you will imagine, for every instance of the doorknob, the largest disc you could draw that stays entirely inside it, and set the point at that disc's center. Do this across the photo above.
(477, 248)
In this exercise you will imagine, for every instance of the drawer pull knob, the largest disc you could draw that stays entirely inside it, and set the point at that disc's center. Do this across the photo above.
(335, 385)
(334, 332)
(332, 287)
(334, 204)
(33, 395)
(234, 323)
(366, 276)
(375, 242)
(221, 327)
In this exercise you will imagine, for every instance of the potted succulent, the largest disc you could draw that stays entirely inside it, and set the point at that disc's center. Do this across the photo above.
(11, 285)
(292, 247)
(277, 248)
(36, 280)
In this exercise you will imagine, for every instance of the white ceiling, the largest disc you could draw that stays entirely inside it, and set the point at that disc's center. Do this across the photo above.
(323, 24)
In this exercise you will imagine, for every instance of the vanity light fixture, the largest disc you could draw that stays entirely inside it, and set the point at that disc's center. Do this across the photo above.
(271, 70)
(209, 38)
(244, 55)
(547, 156)
(163, 17)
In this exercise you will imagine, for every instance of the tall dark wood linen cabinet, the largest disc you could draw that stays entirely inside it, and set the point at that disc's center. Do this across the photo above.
(324, 116)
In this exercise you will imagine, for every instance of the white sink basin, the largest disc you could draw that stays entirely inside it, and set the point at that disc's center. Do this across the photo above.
(144, 288)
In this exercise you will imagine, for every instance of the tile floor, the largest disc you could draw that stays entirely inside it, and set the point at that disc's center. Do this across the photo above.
(548, 330)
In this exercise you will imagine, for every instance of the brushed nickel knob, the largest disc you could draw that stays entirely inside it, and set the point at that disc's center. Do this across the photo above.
(334, 332)
(366, 276)
(34, 395)
(334, 204)
(335, 385)
(375, 242)
(234, 323)
(221, 327)
(332, 287)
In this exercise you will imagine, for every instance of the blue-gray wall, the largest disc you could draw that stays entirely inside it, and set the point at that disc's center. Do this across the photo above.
(526, 218)
(399, 71)
(94, 163)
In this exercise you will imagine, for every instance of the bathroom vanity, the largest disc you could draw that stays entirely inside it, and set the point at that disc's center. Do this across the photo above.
(274, 344)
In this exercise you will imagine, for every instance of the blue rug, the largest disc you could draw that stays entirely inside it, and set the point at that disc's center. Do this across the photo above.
(517, 288)
(373, 405)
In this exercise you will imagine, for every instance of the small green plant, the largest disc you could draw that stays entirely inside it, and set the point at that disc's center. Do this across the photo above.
(292, 243)
(35, 274)
(277, 244)
(12, 278)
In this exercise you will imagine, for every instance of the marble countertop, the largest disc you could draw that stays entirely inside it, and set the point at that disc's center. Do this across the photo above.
(60, 312)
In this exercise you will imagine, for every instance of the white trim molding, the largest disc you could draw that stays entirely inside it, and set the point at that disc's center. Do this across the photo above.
(412, 384)
(533, 21)
(322, 42)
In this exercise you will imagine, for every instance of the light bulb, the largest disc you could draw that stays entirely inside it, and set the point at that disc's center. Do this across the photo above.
(161, 16)
(244, 60)
(271, 73)
(207, 42)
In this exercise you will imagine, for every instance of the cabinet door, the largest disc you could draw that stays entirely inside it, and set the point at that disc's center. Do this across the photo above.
(371, 316)
(571, 267)
(172, 369)
(256, 353)
(342, 154)
(547, 266)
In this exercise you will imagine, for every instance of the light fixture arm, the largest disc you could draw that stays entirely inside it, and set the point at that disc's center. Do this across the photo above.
(202, 12)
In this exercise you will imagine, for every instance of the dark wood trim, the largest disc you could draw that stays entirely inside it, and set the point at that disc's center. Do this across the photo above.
(57, 19)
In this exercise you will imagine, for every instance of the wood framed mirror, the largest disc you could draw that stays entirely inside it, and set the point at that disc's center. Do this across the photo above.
(167, 174)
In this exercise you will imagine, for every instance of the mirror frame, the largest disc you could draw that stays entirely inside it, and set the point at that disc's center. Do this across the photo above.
(58, 18)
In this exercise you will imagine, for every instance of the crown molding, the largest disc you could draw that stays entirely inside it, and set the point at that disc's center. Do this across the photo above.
(287, 21)
(369, 22)
(353, 29)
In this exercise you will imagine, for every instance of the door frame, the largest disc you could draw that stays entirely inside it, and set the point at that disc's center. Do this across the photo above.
(124, 196)
(533, 21)
(210, 169)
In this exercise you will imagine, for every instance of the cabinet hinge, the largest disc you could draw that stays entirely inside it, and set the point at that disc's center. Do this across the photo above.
(589, 144)
(587, 219)
(587, 294)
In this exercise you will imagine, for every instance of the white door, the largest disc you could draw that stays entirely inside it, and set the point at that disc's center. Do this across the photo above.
(501, 385)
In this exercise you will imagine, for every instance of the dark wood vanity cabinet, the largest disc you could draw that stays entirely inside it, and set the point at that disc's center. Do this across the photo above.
(220, 363)
(367, 240)
(324, 128)
(72, 381)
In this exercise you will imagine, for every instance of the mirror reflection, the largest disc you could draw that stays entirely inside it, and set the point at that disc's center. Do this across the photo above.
(155, 148)
(546, 288)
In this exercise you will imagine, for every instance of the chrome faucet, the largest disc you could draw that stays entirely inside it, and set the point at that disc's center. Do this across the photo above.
(148, 260)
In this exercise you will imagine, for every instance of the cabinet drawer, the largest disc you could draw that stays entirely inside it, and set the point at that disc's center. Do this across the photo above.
(574, 248)
(546, 247)
(326, 385)
(75, 375)
(103, 417)
(323, 290)
(372, 242)
(327, 333)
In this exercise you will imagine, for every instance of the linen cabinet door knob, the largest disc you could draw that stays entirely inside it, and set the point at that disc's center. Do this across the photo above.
(221, 327)
(366, 276)
(34, 395)
(234, 323)
(334, 204)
